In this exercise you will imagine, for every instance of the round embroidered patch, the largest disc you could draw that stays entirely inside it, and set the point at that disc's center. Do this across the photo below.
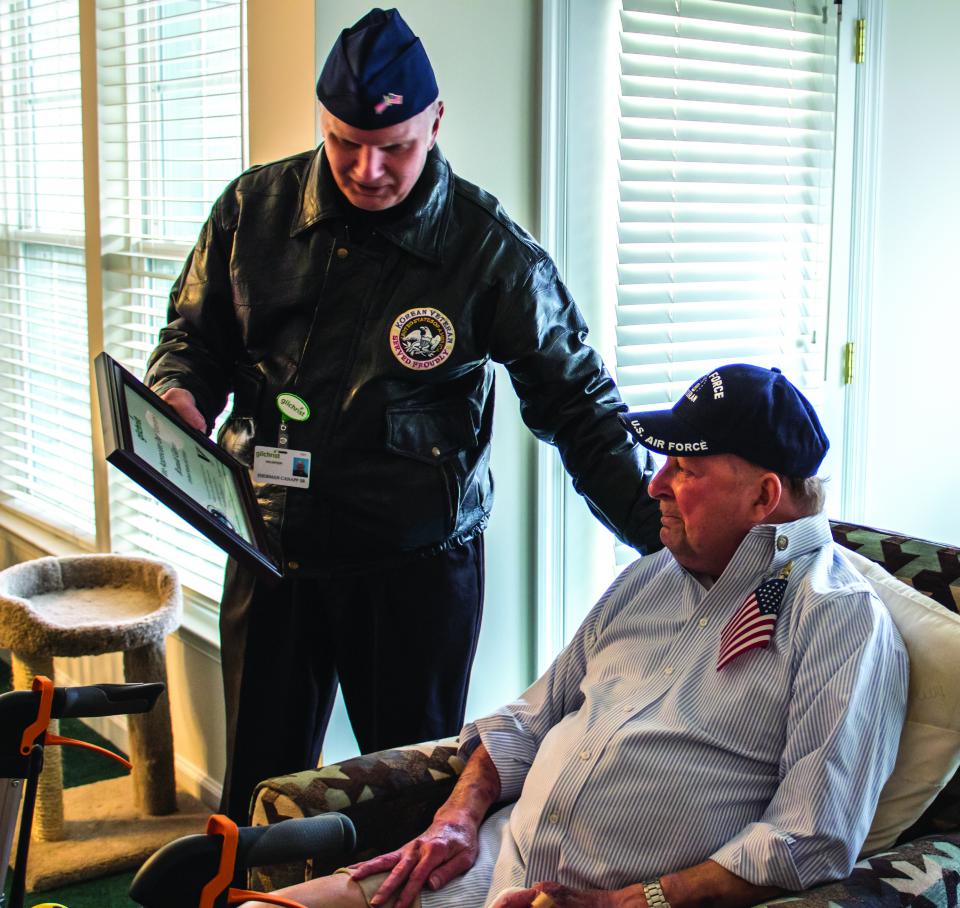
(422, 338)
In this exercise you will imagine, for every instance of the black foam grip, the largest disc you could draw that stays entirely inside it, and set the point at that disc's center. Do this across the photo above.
(329, 835)
(104, 700)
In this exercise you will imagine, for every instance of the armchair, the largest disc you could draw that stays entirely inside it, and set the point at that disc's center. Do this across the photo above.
(391, 796)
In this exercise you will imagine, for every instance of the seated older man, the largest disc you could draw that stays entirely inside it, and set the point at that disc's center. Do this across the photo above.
(720, 727)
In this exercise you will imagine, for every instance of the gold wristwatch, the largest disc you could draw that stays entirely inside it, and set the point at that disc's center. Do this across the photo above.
(653, 893)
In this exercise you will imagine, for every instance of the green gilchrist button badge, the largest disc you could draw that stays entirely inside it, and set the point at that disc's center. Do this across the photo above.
(293, 407)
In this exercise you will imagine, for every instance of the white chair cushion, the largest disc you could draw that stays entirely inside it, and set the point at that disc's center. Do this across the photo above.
(929, 752)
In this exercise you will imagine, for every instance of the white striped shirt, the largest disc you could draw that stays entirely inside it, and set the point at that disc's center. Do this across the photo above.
(633, 756)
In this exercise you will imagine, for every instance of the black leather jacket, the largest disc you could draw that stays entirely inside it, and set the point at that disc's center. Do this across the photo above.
(390, 342)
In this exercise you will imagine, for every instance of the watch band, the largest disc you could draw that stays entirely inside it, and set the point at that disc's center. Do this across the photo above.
(653, 893)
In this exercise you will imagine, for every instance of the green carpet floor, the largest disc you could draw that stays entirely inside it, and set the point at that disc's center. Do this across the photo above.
(79, 768)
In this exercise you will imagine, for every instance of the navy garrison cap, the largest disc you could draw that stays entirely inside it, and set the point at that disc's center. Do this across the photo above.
(738, 409)
(377, 73)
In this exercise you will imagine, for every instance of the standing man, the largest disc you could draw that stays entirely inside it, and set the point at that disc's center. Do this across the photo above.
(352, 299)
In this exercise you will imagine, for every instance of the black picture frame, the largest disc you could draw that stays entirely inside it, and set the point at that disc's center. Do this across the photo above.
(183, 469)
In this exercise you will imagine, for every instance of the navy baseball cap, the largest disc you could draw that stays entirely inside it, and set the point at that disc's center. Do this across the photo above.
(737, 409)
(377, 73)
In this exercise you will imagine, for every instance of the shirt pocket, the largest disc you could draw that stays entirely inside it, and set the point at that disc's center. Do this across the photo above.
(744, 708)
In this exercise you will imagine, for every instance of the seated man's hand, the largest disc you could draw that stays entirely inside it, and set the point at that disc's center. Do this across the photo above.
(447, 849)
(553, 895)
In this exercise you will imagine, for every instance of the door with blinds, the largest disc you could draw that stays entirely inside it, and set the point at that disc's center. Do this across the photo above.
(717, 123)
(725, 187)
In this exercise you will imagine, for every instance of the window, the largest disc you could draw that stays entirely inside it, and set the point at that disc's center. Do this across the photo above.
(45, 446)
(170, 92)
(171, 138)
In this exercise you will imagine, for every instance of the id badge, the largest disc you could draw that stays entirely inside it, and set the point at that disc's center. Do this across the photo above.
(281, 466)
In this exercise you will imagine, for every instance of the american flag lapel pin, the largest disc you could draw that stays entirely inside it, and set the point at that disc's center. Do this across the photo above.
(752, 624)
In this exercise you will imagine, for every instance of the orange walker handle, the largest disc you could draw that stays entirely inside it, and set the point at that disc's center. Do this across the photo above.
(39, 725)
(218, 824)
(86, 745)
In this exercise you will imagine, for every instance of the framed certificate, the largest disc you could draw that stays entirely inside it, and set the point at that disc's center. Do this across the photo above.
(182, 468)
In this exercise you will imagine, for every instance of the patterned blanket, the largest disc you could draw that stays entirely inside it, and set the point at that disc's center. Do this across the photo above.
(925, 873)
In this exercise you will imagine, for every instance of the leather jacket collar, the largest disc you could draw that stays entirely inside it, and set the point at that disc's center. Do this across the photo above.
(421, 232)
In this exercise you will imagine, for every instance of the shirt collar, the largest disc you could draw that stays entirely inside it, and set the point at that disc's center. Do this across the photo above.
(770, 546)
(420, 233)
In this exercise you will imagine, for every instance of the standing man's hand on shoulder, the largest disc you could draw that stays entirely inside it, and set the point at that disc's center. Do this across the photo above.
(185, 404)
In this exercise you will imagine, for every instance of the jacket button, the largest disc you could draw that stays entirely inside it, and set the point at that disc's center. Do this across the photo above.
(435, 451)
(293, 565)
(342, 253)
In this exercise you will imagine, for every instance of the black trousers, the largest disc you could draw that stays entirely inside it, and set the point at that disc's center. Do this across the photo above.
(400, 641)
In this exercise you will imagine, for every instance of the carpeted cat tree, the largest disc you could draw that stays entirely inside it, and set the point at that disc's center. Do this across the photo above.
(85, 606)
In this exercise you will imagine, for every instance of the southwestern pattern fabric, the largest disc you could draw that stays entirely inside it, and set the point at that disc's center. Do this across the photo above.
(931, 568)
(925, 873)
(391, 796)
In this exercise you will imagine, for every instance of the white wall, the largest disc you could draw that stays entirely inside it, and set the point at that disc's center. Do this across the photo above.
(912, 483)
(280, 78)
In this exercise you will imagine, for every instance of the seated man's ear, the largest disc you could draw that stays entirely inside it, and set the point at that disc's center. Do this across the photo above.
(769, 493)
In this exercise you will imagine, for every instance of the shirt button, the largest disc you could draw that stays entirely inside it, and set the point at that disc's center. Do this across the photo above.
(703, 622)
(293, 565)
(668, 670)
(584, 754)
(627, 708)
(554, 818)
(342, 253)
(782, 543)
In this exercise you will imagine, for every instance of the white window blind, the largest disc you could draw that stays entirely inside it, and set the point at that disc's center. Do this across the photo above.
(171, 133)
(45, 447)
(725, 181)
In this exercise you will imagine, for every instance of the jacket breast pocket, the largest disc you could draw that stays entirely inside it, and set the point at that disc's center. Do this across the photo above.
(436, 437)
(431, 433)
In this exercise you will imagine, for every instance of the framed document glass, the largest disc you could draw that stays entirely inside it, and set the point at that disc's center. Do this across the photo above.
(182, 468)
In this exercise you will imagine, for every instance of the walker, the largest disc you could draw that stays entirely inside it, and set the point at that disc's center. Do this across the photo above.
(24, 720)
(197, 870)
